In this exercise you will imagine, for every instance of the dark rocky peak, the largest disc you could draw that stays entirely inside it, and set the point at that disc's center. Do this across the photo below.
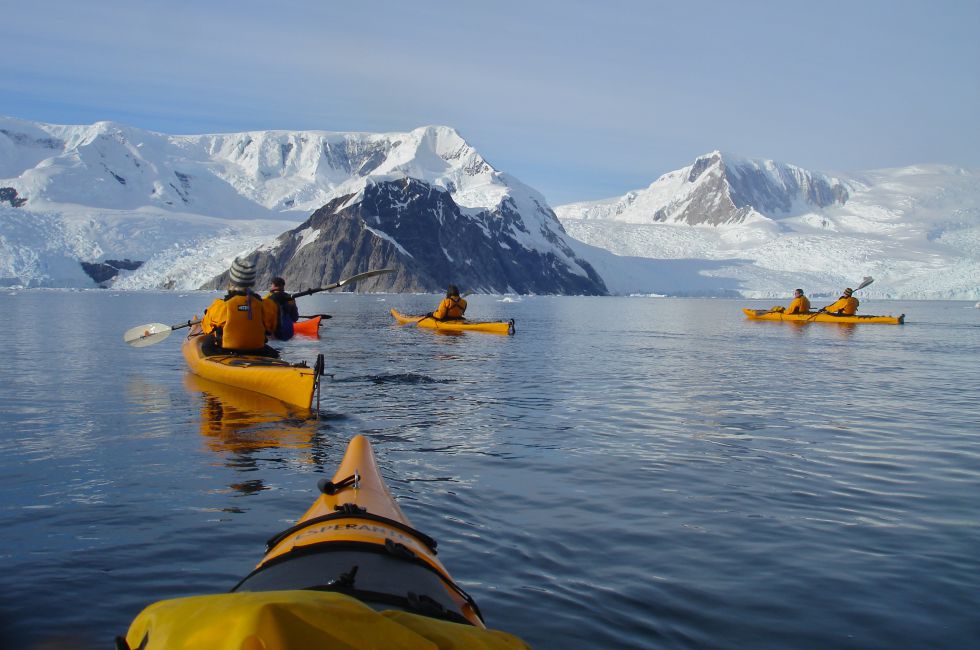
(702, 164)
(418, 229)
(771, 188)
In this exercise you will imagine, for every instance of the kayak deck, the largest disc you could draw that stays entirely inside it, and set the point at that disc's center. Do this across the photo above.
(460, 325)
(291, 383)
(356, 522)
(351, 573)
(820, 317)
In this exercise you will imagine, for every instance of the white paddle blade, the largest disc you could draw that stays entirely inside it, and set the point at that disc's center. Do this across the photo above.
(865, 282)
(363, 276)
(149, 334)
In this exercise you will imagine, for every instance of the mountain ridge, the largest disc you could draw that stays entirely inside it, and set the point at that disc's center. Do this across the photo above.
(916, 229)
(184, 206)
(106, 191)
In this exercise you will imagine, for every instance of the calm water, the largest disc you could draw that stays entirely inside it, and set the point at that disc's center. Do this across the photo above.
(622, 473)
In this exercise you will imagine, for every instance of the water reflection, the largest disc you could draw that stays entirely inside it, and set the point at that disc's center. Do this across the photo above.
(149, 396)
(238, 423)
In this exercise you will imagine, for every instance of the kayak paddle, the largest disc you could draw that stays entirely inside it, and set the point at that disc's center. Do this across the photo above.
(322, 316)
(350, 280)
(152, 333)
(865, 282)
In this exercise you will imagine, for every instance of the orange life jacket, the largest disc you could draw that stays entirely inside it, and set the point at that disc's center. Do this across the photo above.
(242, 320)
(453, 307)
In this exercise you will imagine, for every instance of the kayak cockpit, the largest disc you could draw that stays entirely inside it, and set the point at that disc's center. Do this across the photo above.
(382, 577)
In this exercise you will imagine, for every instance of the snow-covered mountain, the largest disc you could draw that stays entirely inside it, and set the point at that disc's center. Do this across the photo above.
(772, 227)
(147, 210)
(720, 190)
(187, 205)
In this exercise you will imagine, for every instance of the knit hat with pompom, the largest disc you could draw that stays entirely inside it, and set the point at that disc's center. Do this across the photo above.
(242, 273)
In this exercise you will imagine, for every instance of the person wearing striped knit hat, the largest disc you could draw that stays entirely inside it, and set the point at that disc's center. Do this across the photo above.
(241, 320)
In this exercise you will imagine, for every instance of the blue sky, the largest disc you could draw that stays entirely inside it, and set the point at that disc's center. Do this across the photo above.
(581, 100)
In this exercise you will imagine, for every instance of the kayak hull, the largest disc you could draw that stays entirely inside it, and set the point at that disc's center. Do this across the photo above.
(490, 327)
(821, 317)
(308, 327)
(290, 383)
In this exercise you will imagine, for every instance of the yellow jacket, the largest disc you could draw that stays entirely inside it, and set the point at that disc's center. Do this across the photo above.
(845, 305)
(242, 320)
(799, 305)
(450, 308)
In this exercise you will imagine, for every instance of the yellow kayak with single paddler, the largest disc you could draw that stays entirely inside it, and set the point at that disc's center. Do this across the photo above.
(456, 324)
(352, 573)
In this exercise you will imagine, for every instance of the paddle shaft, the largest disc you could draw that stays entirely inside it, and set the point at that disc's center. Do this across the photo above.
(190, 323)
(336, 285)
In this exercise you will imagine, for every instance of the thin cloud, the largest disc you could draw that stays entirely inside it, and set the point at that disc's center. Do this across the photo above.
(622, 87)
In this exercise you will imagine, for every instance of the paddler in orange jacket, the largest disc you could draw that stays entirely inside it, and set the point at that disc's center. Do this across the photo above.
(452, 306)
(800, 304)
(241, 321)
(846, 305)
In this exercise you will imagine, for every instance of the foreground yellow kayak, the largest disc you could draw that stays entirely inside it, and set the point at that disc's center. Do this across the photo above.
(352, 573)
(460, 325)
(291, 383)
(820, 317)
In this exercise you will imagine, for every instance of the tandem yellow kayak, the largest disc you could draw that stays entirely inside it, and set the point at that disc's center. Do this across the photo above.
(820, 317)
(456, 325)
(292, 383)
(351, 573)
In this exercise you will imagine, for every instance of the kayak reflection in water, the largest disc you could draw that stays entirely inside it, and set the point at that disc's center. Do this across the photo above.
(452, 306)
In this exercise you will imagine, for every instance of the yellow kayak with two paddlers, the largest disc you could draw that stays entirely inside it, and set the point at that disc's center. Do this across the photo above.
(820, 317)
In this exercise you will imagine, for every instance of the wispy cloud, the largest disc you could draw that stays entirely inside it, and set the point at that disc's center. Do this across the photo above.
(627, 88)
